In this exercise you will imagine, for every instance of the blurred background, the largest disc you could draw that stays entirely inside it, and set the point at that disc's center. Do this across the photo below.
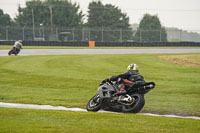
(100, 20)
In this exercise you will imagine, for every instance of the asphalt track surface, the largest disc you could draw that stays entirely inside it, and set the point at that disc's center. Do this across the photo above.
(26, 52)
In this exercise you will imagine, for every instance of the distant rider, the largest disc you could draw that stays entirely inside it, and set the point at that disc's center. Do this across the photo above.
(17, 47)
(130, 79)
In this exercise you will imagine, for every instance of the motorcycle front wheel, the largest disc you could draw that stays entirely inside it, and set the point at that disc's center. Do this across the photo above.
(136, 106)
(10, 52)
(94, 103)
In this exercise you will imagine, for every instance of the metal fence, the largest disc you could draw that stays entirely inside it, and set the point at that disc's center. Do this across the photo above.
(91, 34)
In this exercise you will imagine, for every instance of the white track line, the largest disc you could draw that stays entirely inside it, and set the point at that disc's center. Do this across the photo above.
(50, 107)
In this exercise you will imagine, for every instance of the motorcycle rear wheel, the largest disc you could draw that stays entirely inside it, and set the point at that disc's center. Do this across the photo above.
(136, 106)
(94, 103)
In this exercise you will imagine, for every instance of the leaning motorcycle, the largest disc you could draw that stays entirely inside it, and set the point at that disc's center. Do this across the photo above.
(109, 97)
(14, 51)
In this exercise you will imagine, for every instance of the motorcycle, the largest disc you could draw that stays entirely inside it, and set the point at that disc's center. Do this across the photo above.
(110, 98)
(14, 51)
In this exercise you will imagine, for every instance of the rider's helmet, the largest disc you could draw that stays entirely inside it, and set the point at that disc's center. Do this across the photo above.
(20, 41)
(133, 67)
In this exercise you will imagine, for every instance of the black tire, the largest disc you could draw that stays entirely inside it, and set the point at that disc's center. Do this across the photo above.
(107, 106)
(94, 103)
(137, 105)
(116, 108)
(10, 52)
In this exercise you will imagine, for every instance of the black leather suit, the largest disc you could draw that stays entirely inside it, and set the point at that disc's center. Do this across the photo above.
(132, 76)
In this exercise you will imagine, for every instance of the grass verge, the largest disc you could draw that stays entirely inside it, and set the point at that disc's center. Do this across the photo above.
(44, 121)
(71, 80)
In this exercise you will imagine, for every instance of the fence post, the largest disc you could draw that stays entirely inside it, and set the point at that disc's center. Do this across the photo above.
(89, 34)
(43, 32)
(51, 18)
(82, 34)
(180, 35)
(160, 36)
(33, 21)
(7, 33)
(140, 35)
(23, 33)
(57, 33)
(102, 35)
(120, 37)
(73, 33)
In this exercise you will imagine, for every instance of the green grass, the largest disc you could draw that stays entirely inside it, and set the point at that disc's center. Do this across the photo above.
(71, 80)
(38, 121)
(2, 47)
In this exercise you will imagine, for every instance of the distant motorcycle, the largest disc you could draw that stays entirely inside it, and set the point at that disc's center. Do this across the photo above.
(14, 51)
(108, 97)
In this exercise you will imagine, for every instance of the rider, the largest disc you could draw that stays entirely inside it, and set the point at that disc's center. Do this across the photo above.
(131, 78)
(17, 46)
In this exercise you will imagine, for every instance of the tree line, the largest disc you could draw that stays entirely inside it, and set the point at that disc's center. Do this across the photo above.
(64, 13)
